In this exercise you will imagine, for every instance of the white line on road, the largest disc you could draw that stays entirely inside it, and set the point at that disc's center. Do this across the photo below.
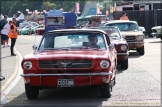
(14, 82)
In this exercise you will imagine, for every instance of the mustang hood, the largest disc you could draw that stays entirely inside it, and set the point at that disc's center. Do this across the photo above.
(118, 41)
(131, 33)
(94, 54)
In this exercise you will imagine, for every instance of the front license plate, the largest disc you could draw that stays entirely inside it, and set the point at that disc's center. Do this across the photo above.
(65, 82)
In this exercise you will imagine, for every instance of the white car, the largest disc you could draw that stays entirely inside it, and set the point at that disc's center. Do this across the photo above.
(157, 31)
(132, 34)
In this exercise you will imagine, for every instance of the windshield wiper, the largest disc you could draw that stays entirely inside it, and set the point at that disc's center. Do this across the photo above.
(64, 49)
(49, 49)
(84, 47)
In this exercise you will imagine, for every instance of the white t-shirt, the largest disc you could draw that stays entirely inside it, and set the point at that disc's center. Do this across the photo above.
(5, 29)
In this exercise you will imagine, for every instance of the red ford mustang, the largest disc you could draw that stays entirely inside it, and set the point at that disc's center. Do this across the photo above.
(71, 58)
(120, 43)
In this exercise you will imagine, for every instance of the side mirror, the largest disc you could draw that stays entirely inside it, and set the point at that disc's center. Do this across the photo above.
(35, 47)
(2, 78)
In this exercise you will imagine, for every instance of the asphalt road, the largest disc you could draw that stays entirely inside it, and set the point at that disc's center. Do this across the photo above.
(139, 85)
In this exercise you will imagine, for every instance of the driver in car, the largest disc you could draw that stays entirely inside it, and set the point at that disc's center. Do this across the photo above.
(109, 32)
(93, 41)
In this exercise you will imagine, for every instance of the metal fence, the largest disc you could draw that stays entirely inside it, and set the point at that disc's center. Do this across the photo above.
(147, 18)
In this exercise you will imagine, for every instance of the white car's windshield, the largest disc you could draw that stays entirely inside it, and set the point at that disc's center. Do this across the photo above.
(112, 32)
(78, 40)
(125, 26)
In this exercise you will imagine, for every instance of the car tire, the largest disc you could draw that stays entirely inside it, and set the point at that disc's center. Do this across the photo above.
(141, 51)
(31, 91)
(105, 90)
(124, 64)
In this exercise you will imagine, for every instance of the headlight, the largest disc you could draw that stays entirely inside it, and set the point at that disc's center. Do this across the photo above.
(27, 65)
(140, 38)
(104, 64)
(123, 47)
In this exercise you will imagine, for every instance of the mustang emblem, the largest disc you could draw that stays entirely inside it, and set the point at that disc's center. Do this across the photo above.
(64, 64)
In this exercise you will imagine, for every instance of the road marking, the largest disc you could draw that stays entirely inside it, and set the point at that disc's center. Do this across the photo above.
(13, 82)
(12, 76)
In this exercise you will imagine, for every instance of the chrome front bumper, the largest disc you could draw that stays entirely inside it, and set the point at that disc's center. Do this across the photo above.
(135, 42)
(78, 74)
(123, 53)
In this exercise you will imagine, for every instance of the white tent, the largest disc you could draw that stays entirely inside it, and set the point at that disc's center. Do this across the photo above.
(2, 16)
(21, 17)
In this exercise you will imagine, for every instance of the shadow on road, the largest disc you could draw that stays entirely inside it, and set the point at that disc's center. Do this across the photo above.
(61, 97)
(6, 57)
(133, 54)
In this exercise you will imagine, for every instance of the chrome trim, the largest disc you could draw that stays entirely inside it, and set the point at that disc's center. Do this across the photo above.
(134, 42)
(158, 33)
(79, 74)
(123, 53)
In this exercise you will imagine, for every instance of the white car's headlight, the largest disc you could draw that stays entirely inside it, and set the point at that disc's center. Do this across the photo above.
(104, 64)
(140, 38)
(27, 65)
(123, 47)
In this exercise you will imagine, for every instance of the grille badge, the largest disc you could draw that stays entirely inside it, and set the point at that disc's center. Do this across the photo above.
(64, 64)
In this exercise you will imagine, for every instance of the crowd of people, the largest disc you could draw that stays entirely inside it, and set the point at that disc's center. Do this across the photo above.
(8, 30)
(94, 22)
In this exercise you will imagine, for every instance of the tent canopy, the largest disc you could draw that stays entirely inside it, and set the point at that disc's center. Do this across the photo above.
(21, 17)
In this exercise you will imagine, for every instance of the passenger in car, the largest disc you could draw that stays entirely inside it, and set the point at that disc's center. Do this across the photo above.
(109, 32)
(93, 41)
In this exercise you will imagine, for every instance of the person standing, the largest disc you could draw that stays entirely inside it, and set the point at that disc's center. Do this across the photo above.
(2, 24)
(124, 17)
(13, 35)
(30, 30)
(4, 34)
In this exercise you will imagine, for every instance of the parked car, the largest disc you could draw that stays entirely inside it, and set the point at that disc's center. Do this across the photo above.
(23, 24)
(157, 31)
(25, 30)
(56, 63)
(40, 31)
(130, 30)
(39, 27)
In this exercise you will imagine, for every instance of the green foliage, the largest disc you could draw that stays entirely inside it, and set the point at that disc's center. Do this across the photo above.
(10, 7)
(48, 3)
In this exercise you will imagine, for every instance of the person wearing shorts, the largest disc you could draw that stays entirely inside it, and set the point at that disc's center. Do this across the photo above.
(4, 34)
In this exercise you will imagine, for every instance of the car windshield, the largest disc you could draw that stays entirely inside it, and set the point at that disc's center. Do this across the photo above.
(71, 41)
(112, 32)
(125, 26)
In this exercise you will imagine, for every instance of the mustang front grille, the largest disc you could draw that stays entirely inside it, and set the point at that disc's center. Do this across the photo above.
(65, 63)
(130, 38)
